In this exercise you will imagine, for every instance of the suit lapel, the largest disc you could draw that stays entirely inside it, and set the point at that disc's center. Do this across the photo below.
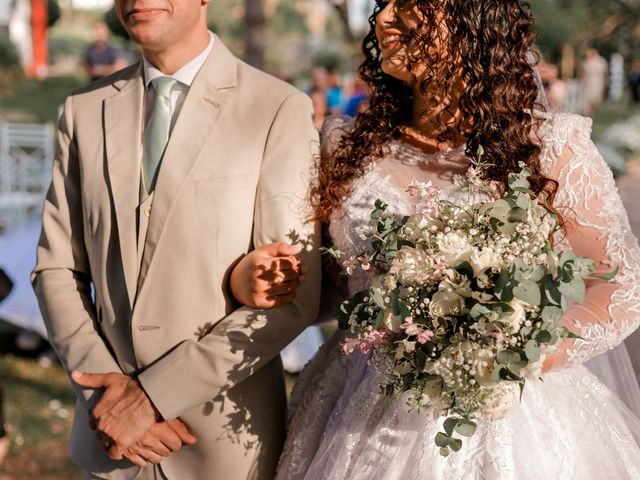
(123, 133)
(205, 100)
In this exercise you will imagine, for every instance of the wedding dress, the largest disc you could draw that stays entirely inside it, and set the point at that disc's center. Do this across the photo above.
(569, 426)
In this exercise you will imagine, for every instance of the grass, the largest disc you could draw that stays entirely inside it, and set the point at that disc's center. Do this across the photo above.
(609, 114)
(30, 100)
(38, 405)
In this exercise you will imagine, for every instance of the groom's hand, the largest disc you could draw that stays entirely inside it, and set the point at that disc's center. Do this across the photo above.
(123, 415)
(163, 439)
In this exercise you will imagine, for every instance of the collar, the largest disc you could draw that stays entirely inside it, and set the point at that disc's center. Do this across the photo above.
(184, 74)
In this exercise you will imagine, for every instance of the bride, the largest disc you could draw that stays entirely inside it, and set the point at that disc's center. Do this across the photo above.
(448, 76)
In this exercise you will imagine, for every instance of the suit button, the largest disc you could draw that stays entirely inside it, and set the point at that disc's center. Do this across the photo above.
(147, 212)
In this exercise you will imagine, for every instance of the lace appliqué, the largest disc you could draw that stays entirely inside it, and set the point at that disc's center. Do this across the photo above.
(585, 180)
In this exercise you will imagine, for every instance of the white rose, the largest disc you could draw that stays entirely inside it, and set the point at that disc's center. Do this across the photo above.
(407, 265)
(456, 282)
(454, 248)
(392, 322)
(446, 303)
(484, 364)
(419, 221)
(483, 259)
(433, 390)
(499, 400)
(517, 318)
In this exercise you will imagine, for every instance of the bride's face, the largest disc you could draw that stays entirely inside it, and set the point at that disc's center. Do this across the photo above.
(400, 51)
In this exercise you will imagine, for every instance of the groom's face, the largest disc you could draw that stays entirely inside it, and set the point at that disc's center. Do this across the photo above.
(156, 25)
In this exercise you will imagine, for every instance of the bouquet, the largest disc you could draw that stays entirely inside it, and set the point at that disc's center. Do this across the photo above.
(465, 300)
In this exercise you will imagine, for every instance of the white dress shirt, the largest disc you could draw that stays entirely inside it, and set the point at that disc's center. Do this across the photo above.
(184, 75)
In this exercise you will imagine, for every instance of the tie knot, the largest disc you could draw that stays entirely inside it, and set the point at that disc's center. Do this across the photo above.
(163, 86)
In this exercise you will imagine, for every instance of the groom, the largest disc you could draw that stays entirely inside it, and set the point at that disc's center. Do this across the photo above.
(165, 175)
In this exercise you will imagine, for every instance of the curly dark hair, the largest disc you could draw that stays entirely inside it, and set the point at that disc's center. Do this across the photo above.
(489, 47)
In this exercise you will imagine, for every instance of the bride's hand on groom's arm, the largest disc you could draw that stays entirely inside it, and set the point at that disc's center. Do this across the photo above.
(268, 277)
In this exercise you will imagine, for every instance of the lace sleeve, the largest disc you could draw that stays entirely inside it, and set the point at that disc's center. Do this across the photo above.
(598, 227)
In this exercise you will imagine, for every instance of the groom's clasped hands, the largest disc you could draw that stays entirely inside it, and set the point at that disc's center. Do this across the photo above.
(127, 423)
(125, 420)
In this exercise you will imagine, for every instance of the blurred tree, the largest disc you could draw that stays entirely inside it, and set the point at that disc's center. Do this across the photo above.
(611, 26)
(9, 58)
(53, 12)
(254, 33)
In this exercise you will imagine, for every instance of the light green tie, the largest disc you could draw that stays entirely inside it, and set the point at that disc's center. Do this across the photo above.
(156, 134)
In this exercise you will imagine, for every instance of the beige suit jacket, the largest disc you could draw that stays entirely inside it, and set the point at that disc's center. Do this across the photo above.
(235, 175)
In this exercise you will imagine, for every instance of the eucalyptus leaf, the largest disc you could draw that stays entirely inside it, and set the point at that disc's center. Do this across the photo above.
(528, 292)
(466, 428)
(450, 425)
(551, 290)
(442, 440)
(551, 314)
(376, 296)
(542, 336)
(456, 445)
(479, 311)
(533, 351)
(575, 290)
(517, 214)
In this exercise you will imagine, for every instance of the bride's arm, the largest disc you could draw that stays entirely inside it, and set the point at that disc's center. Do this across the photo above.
(597, 227)
(268, 276)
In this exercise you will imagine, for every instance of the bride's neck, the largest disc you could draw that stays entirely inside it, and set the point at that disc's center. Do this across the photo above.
(428, 123)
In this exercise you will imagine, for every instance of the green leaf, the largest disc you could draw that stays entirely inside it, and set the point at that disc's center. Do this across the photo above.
(442, 440)
(607, 276)
(542, 336)
(551, 290)
(376, 296)
(504, 288)
(456, 445)
(450, 425)
(532, 350)
(517, 214)
(479, 311)
(444, 452)
(574, 336)
(575, 289)
(466, 428)
(551, 314)
(465, 268)
(528, 292)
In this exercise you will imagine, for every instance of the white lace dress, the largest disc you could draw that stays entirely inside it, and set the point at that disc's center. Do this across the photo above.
(568, 427)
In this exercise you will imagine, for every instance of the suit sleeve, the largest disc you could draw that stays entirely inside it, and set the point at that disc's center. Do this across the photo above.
(247, 339)
(62, 278)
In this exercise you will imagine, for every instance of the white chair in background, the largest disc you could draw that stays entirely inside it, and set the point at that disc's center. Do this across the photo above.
(26, 155)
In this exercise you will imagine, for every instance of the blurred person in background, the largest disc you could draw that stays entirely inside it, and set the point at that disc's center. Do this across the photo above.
(634, 82)
(358, 100)
(320, 107)
(554, 87)
(335, 97)
(593, 74)
(102, 59)
(5, 288)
